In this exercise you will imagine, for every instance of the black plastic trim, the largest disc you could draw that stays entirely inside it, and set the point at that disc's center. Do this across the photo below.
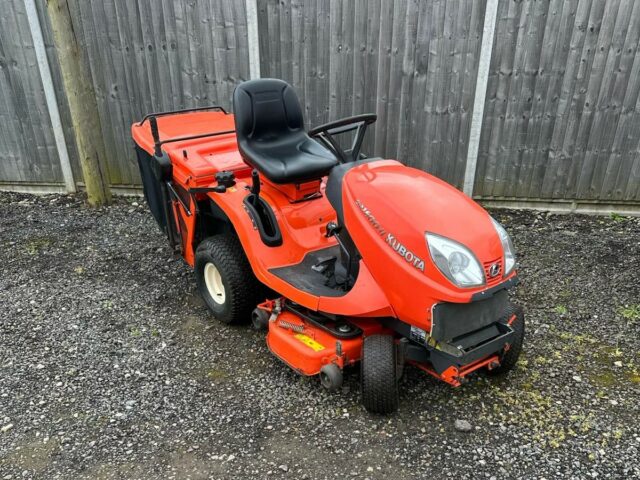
(269, 239)
(441, 360)
(216, 189)
(490, 292)
(304, 277)
(451, 320)
(333, 190)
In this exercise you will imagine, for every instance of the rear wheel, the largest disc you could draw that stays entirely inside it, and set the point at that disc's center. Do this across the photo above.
(510, 357)
(225, 279)
(378, 374)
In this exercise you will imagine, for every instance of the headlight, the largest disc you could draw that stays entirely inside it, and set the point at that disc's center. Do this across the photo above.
(455, 261)
(507, 247)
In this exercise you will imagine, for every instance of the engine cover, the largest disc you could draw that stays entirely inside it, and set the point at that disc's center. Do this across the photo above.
(388, 209)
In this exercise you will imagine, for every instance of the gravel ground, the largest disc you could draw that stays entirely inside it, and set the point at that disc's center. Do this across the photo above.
(110, 366)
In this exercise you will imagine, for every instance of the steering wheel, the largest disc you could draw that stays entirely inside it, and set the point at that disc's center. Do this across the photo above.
(324, 134)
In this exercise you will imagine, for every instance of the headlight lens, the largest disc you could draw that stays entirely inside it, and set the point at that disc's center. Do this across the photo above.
(507, 247)
(455, 261)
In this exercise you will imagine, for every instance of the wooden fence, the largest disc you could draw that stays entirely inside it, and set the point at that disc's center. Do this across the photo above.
(28, 152)
(562, 118)
(561, 121)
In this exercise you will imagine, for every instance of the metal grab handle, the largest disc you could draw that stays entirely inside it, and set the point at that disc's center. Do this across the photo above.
(186, 110)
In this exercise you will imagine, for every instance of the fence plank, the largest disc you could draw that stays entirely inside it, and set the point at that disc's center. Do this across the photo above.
(30, 154)
(560, 117)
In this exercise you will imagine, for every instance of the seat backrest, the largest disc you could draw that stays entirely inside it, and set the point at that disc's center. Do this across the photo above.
(266, 109)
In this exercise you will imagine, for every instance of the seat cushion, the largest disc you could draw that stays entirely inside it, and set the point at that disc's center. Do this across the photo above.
(271, 135)
(294, 159)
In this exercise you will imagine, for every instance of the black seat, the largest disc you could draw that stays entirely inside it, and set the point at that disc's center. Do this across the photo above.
(271, 135)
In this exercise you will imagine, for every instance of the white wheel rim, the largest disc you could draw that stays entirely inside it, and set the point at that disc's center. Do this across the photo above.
(213, 280)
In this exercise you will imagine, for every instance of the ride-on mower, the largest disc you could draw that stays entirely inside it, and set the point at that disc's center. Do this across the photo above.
(342, 259)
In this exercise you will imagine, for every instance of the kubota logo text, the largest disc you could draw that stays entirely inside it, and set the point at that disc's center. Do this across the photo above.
(391, 240)
(405, 253)
(372, 220)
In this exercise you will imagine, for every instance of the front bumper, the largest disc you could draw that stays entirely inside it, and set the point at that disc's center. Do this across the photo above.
(463, 338)
(471, 348)
(453, 321)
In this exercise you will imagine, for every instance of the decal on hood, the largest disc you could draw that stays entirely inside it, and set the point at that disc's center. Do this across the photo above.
(391, 240)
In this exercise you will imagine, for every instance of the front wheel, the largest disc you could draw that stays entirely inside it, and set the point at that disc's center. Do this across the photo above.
(225, 279)
(378, 374)
(509, 359)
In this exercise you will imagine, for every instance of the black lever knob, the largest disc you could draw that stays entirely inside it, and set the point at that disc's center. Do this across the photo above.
(255, 182)
(226, 178)
(332, 229)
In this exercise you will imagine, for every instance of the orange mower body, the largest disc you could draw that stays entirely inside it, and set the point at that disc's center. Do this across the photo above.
(341, 258)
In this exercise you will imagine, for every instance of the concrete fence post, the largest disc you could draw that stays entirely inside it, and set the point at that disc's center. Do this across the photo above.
(50, 94)
(488, 33)
(253, 40)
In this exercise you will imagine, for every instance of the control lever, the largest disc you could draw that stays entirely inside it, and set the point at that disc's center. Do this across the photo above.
(332, 229)
(255, 186)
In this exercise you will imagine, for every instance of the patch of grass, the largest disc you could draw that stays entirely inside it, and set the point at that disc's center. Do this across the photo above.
(616, 217)
(630, 312)
(135, 332)
(215, 374)
(561, 310)
(603, 379)
(633, 377)
(531, 409)
(107, 304)
(34, 245)
(565, 293)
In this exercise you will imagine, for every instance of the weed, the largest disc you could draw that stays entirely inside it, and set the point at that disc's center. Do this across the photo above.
(36, 244)
(630, 312)
(215, 374)
(561, 309)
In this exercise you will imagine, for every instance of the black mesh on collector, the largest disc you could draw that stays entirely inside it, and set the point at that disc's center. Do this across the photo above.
(271, 135)
(151, 187)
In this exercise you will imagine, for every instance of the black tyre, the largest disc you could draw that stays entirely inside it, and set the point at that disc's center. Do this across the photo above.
(510, 358)
(225, 279)
(260, 319)
(331, 377)
(378, 374)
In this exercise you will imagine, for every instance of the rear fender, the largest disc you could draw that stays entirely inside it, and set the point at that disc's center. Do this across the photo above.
(211, 220)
